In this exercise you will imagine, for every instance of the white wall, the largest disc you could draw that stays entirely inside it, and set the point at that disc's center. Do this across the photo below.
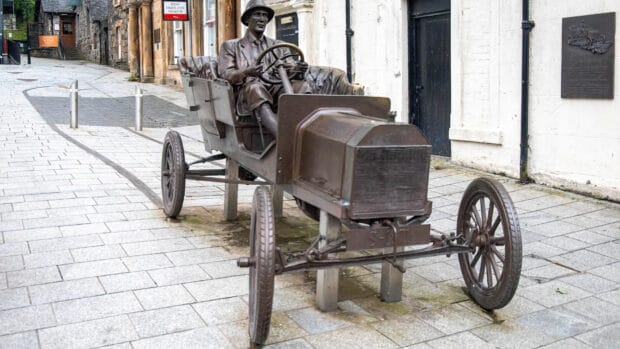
(486, 75)
(377, 46)
(573, 141)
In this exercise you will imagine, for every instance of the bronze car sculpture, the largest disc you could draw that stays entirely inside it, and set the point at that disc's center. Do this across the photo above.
(341, 156)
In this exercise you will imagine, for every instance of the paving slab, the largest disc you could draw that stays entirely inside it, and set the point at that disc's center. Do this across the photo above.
(166, 320)
(206, 337)
(605, 337)
(93, 333)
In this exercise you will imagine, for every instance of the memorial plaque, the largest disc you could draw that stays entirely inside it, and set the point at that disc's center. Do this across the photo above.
(588, 56)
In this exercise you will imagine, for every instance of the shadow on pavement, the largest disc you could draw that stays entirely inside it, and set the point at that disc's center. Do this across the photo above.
(114, 112)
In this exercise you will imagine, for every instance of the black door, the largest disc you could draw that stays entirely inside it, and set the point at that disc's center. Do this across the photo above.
(104, 47)
(429, 58)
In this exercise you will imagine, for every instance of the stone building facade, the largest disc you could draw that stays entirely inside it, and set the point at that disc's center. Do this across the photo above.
(118, 35)
(92, 32)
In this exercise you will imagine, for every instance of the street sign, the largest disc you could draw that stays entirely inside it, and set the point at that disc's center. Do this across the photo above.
(175, 10)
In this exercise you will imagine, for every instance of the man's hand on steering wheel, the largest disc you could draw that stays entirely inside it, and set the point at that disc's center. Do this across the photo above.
(254, 71)
(297, 69)
(281, 54)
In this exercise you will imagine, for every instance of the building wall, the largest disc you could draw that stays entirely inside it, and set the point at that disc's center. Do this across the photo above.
(377, 45)
(573, 143)
(118, 20)
(577, 140)
(165, 69)
(160, 55)
(486, 84)
(87, 34)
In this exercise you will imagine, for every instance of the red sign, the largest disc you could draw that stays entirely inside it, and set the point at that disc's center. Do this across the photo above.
(175, 10)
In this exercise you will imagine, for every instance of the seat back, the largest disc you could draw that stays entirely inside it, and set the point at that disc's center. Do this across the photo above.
(201, 67)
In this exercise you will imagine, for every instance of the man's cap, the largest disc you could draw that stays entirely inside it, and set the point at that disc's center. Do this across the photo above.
(254, 5)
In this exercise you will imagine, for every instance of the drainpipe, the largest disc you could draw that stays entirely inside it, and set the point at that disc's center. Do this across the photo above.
(526, 26)
(349, 32)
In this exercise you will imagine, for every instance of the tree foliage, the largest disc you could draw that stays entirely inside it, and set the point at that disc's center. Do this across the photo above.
(24, 10)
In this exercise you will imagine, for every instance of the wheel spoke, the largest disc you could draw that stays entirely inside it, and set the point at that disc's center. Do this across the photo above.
(476, 258)
(270, 66)
(494, 265)
(474, 209)
(490, 215)
(483, 212)
(482, 268)
(497, 253)
(289, 56)
(489, 275)
(170, 190)
(495, 225)
(499, 241)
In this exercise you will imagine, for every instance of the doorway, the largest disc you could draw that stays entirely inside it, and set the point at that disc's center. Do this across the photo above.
(67, 31)
(429, 73)
(104, 48)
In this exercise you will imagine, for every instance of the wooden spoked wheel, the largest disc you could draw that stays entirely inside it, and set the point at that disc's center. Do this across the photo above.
(487, 222)
(262, 268)
(173, 170)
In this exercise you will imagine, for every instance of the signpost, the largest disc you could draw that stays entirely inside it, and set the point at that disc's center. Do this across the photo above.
(178, 10)
(175, 10)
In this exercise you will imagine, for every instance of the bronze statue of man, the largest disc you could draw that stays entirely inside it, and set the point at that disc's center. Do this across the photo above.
(237, 64)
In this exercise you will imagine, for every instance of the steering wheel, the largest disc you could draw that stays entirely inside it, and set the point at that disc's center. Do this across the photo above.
(277, 62)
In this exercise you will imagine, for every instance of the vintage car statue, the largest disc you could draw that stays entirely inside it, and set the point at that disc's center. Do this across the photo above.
(351, 167)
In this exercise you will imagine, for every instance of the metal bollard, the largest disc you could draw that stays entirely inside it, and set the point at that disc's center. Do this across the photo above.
(139, 108)
(73, 123)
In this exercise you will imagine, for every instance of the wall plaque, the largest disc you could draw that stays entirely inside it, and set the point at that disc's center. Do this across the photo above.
(588, 56)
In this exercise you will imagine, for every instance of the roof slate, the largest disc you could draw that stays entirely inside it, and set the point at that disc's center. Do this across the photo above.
(99, 9)
(60, 6)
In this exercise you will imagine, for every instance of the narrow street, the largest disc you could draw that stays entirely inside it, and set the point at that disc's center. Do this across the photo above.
(88, 259)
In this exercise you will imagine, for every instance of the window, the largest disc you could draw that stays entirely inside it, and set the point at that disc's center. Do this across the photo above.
(209, 27)
(118, 41)
(177, 40)
(67, 28)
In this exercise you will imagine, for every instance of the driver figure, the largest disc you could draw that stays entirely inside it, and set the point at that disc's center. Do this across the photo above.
(237, 64)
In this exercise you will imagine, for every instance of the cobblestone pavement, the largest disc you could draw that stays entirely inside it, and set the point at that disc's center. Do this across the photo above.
(87, 258)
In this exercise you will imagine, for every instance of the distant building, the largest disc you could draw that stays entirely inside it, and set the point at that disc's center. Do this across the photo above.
(92, 34)
(57, 17)
(7, 22)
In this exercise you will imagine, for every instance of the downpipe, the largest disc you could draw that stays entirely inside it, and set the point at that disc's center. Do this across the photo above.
(349, 33)
(526, 27)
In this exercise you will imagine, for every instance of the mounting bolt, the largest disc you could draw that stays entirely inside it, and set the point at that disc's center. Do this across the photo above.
(245, 262)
